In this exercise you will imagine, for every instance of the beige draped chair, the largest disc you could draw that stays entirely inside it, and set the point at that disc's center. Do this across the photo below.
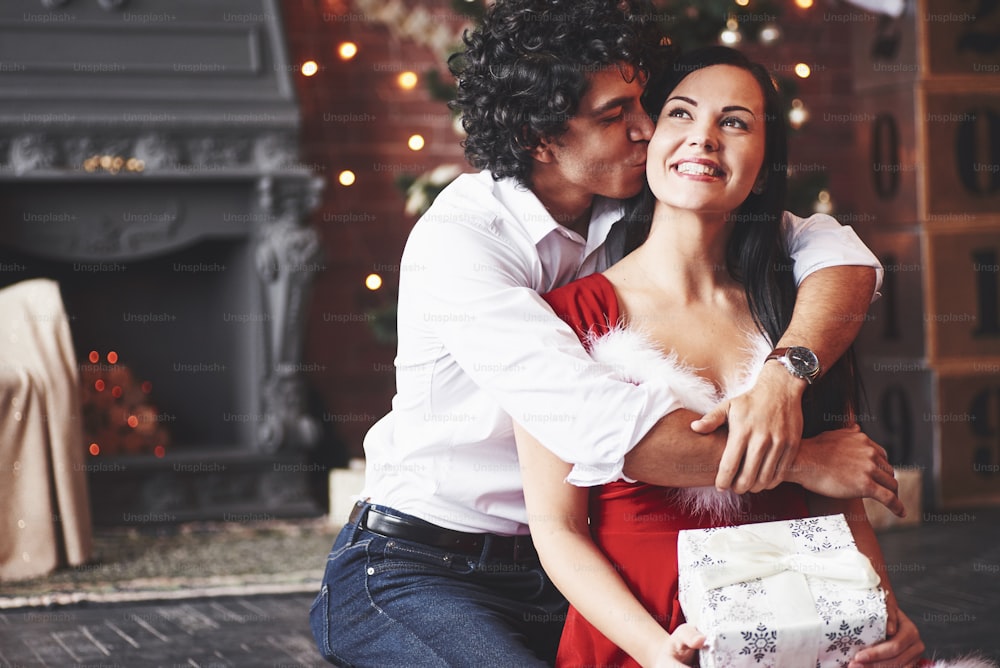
(44, 506)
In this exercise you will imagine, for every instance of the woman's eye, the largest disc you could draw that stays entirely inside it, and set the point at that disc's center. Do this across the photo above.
(678, 113)
(733, 122)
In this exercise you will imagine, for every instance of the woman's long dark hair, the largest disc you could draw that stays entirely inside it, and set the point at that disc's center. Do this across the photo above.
(756, 255)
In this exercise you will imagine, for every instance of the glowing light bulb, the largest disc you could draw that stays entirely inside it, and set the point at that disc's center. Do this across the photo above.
(347, 50)
(742, 3)
(804, 4)
(407, 80)
(346, 178)
(802, 70)
(309, 68)
(94, 449)
(112, 357)
(373, 281)
(415, 142)
(94, 357)
(770, 33)
(798, 114)
(731, 35)
(824, 203)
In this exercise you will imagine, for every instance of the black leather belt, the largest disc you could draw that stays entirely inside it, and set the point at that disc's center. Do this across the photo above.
(478, 545)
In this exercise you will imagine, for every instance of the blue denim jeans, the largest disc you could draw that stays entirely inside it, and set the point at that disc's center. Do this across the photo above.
(391, 602)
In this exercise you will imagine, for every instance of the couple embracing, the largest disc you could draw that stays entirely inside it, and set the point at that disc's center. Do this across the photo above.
(614, 321)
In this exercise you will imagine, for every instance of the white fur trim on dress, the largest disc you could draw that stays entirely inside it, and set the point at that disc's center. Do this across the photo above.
(632, 356)
(964, 662)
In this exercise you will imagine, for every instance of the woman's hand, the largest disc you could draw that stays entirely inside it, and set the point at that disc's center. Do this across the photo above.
(902, 647)
(765, 430)
(679, 648)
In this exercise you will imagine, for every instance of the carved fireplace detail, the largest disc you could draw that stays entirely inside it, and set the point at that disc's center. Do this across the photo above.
(149, 162)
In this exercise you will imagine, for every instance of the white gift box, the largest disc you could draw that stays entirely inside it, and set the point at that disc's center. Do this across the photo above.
(789, 594)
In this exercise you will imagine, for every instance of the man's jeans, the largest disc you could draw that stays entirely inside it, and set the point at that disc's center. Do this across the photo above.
(391, 602)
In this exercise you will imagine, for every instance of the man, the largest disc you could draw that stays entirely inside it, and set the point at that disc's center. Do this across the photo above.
(434, 567)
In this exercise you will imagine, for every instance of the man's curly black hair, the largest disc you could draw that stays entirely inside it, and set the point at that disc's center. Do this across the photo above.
(524, 70)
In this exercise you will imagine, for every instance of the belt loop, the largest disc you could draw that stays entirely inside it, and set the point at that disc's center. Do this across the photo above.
(358, 514)
(487, 552)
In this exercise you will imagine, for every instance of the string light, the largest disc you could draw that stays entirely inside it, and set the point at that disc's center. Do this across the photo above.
(346, 178)
(407, 80)
(373, 282)
(804, 4)
(309, 68)
(731, 35)
(770, 33)
(824, 203)
(802, 70)
(798, 114)
(415, 142)
(742, 3)
(347, 50)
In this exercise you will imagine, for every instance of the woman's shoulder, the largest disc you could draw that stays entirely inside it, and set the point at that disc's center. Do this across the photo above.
(588, 304)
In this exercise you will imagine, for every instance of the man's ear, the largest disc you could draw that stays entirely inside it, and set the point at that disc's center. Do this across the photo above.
(543, 151)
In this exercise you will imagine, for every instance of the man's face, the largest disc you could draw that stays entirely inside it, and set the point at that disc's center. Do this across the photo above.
(603, 151)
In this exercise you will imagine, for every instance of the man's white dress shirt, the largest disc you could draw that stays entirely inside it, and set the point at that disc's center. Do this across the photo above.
(478, 347)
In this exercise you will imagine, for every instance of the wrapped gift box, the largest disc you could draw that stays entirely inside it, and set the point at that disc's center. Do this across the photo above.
(789, 594)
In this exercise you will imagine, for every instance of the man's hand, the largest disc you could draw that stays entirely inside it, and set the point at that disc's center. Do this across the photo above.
(765, 429)
(846, 464)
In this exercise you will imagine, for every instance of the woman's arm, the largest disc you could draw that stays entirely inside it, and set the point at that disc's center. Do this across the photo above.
(902, 646)
(557, 514)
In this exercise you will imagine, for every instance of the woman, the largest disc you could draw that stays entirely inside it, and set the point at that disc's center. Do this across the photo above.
(701, 299)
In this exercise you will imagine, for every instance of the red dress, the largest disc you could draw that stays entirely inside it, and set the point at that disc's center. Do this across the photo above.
(636, 524)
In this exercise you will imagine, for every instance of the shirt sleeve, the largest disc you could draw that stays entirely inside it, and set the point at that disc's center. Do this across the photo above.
(507, 339)
(819, 241)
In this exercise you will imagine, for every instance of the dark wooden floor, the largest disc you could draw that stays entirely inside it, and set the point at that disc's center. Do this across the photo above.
(946, 573)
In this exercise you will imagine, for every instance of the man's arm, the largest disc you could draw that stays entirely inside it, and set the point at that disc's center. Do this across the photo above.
(841, 463)
(765, 424)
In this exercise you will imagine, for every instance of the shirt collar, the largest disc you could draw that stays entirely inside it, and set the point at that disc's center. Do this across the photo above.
(527, 209)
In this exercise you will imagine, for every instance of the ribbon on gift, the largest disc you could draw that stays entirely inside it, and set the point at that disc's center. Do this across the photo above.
(773, 556)
(749, 556)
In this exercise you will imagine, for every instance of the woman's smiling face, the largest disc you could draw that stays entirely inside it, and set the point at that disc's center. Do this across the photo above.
(708, 147)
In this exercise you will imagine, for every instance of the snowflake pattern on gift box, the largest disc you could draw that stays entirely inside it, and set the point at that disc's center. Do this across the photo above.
(759, 643)
(744, 611)
(829, 609)
(806, 528)
(874, 603)
(845, 639)
(715, 598)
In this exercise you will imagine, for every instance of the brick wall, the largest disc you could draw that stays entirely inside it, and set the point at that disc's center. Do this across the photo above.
(355, 116)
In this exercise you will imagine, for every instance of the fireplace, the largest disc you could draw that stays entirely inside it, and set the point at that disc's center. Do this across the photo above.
(149, 163)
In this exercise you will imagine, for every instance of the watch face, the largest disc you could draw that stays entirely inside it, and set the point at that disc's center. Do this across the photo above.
(803, 359)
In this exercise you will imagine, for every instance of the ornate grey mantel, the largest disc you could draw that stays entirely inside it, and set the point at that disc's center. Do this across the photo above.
(149, 158)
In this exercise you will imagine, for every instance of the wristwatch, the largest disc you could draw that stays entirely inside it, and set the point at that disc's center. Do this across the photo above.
(799, 360)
